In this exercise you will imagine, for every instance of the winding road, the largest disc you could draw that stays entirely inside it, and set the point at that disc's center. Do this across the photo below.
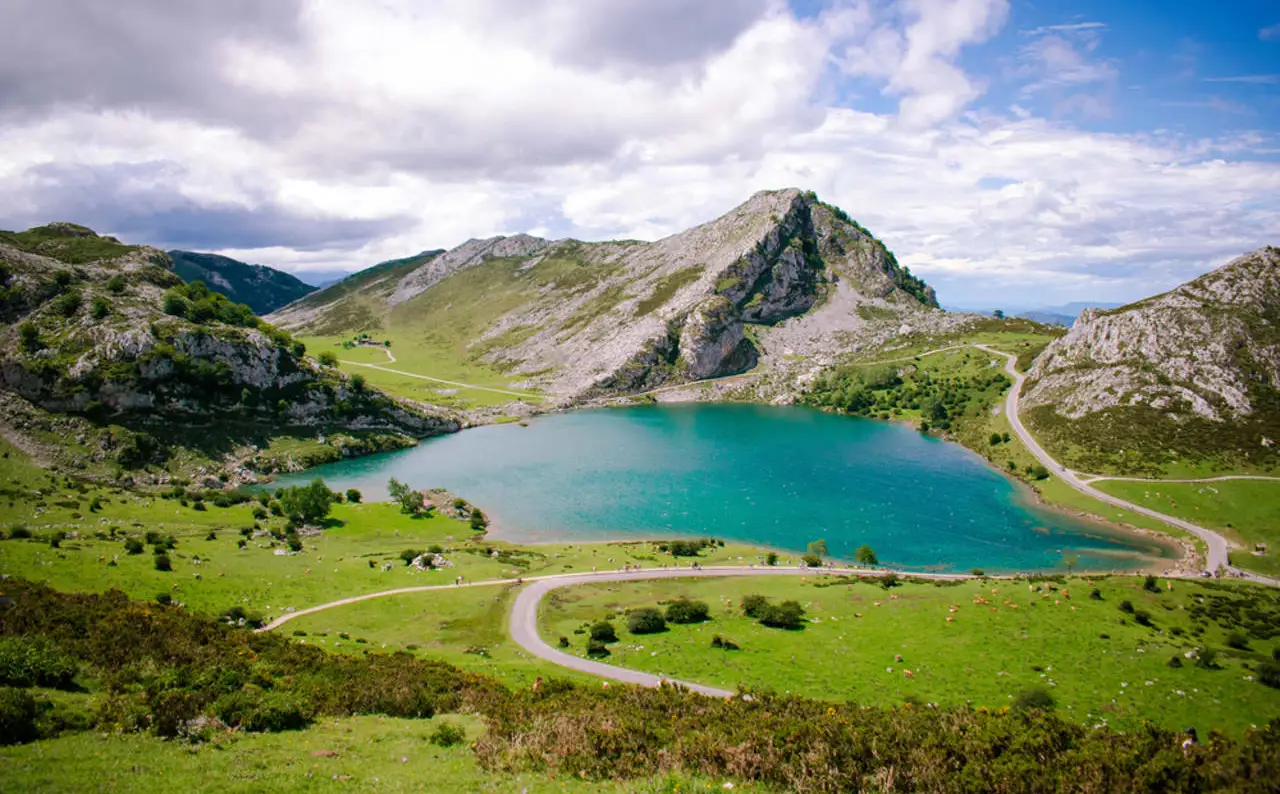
(523, 620)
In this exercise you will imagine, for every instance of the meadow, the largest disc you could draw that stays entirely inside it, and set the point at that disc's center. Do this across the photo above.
(1099, 664)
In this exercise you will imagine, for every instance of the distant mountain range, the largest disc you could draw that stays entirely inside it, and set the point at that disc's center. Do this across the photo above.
(1065, 314)
(261, 288)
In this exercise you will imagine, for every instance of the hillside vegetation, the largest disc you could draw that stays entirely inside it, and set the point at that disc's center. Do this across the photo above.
(112, 363)
(261, 288)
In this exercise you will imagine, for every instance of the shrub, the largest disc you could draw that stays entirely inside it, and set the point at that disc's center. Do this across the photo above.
(771, 558)
(175, 304)
(19, 532)
(56, 538)
(890, 579)
(478, 521)
(133, 546)
(1238, 641)
(753, 606)
(1095, 594)
(787, 615)
(294, 542)
(811, 560)
(1150, 584)
(1142, 617)
(865, 555)
(213, 535)
(448, 735)
(723, 644)
(1036, 697)
(99, 308)
(35, 662)
(684, 610)
(1207, 659)
(978, 572)
(646, 620)
(256, 711)
(1038, 472)
(18, 714)
(1269, 674)
(164, 599)
(115, 285)
(163, 563)
(603, 631)
(1174, 661)
(596, 648)
(1126, 606)
(354, 496)
(563, 642)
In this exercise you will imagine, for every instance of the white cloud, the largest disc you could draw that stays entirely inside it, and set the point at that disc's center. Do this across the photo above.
(1271, 33)
(1256, 79)
(409, 126)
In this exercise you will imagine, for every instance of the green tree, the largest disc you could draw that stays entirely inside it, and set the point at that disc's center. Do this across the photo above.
(176, 304)
(28, 337)
(771, 558)
(1070, 561)
(818, 548)
(358, 383)
(603, 631)
(99, 308)
(307, 503)
(115, 285)
(686, 610)
(787, 615)
(998, 314)
(328, 359)
(354, 496)
(478, 521)
(995, 439)
(645, 620)
(865, 555)
(409, 499)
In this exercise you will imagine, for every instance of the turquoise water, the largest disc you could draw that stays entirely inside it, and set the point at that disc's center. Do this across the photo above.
(769, 475)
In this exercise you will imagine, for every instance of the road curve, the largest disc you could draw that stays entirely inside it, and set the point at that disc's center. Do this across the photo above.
(507, 392)
(1217, 556)
(1092, 478)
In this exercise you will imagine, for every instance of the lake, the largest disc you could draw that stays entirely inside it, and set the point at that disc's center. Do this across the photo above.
(777, 476)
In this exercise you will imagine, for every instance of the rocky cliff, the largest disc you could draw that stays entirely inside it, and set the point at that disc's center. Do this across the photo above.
(1194, 371)
(109, 334)
(782, 279)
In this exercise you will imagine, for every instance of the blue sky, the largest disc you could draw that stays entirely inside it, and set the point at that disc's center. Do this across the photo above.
(1038, 152)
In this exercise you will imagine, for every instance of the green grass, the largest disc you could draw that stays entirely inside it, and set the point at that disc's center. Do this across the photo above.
(983, 658)
(667, 287)
(368, 754)
(1247, 511)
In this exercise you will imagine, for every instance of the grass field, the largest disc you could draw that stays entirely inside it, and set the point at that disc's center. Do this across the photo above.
(1098, 663)
(1247, 511)
(417, 354)
(354, 754)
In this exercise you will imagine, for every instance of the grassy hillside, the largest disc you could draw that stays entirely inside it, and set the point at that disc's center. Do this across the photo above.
(261, 288)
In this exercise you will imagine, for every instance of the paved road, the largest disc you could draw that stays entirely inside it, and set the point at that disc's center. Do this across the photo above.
(1092, 478)
(1216, 559)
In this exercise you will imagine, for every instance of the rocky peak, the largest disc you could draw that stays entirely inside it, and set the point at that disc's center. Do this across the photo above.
(471, 253)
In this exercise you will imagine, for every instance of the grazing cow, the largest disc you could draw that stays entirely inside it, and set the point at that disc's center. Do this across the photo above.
(909, 674)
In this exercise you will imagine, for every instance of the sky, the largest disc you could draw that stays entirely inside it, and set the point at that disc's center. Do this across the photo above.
(1011, 152)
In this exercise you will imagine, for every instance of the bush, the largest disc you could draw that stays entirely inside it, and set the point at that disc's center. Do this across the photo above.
(409, 555)
(35, 662)
(99, 308)
(563, 642)
(115, 285)
(1150, 584)
(771, 558)
(164, 599)
(1038, 472)
(163, 563)
(1036, 697)
(865, 555)
(1238, 641)
(811, 560)
(753, 606)
(723, 644)
(889, 580)
(1126, 606)
(56, 538)
(354, 496)
(596, 649)
(478, 521)
(787, 615)
(684, 610)
(448, 735)
(19, 532)
(1174, 662)
(256, 711)
(1095, 594)
(18, 714)
(646, 620)
(603, 631)
(1142, 617)
(1207, 659)
(1269, 674)
(133, 546)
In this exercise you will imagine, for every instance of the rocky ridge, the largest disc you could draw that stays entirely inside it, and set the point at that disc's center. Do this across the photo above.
(261, 288)
(782, 280)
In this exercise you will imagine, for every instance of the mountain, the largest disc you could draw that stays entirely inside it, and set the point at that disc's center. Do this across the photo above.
(261, 288)
(783, 279)
(110, 358)
(1065, 314)
(1191, 374)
